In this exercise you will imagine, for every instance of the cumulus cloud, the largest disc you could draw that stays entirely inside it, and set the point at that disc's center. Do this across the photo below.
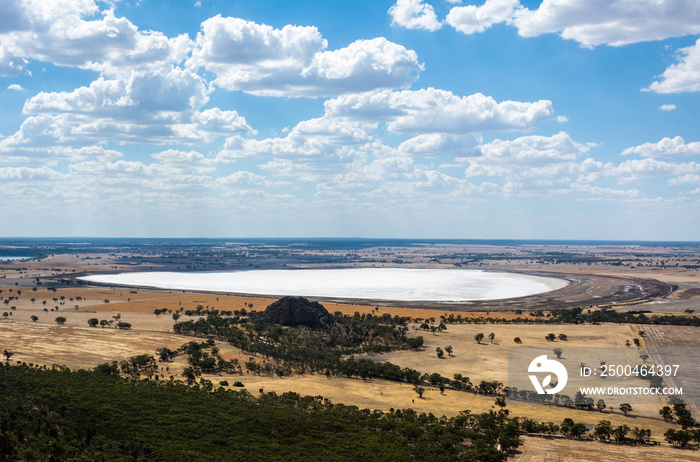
(682, 77)
(666, 148)
(438, 111)
(615, 23)
(56, 32)
(439, 144)
(28, 173)
(15, 87)
(688, 178)
(292, 61)
(554, 157)
(668, 107)
(147, 106)
(319, 138)
(414, 14)
(473, 19)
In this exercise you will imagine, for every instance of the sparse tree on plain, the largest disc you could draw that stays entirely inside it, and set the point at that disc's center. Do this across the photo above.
(625, 408)
(420, 390)
(558, 352)
(517, 340)
(479, 337)
(60, 320)
(448, 349)
(601, 405)
(492, 336)
(440, 353)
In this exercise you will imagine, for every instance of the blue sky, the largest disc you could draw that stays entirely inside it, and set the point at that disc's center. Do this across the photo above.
(561, 119)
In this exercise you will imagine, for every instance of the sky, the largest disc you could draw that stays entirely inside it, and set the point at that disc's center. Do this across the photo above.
(496, 119)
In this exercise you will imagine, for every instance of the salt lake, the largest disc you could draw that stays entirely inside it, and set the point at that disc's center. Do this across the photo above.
(400, 284)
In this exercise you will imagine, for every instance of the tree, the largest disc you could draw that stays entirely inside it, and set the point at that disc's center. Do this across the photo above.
(601, 405)
(644, 357)
(683, 416)
(620, 432)
(492, 336)
(627, 343)
(440, 353)
(641, 435)
(8, 354)
(577, 430)
(517, 340)
(603, 430)
(563, 337)
(60, 320)
(636, 342)
(558, 352)
(625, 408)
(448, 349)
(34, 318)
(93, 322)
(666, 414)
(500, 402)
(123, 325)
(678, 438)
(165, 353)
(479, 337)
(550, 337)
(420, 390)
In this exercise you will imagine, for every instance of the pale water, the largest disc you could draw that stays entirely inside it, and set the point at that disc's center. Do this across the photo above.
(401, 284)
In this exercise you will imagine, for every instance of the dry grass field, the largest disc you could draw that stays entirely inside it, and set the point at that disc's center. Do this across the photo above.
(489, 361)
(561, 450)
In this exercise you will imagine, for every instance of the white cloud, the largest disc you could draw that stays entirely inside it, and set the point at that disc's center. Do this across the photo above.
(55, 31)
(688, 178)
(28, 173)
(15, 87)
(667, 147)
(473, 19)
(314, 138)
(632, 170)
(439, 111)
(261, 60)
(439, 144)
(668, 107)
(611, 22)
(533, 157)
(242, 178)
(148, 106)
(682, 77)
(414, 14)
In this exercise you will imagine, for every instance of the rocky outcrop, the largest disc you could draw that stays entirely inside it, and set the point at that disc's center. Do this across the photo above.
(295, 311)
